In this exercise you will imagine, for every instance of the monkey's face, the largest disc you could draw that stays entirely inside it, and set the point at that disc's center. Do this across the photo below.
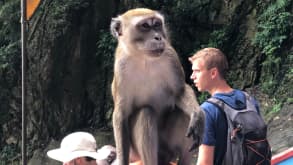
(147, 35)
(140, 31)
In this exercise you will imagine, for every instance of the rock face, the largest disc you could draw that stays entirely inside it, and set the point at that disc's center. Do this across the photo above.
(68, 80)
(68, 87)
(280, 133)
(70, 57)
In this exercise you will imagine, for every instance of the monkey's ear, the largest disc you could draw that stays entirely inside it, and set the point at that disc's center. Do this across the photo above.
(116, 30)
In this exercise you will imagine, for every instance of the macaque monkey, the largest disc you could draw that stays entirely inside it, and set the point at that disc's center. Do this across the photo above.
(154, 109)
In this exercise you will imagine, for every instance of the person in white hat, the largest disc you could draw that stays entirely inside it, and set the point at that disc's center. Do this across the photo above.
(78, 148)
(107, 155)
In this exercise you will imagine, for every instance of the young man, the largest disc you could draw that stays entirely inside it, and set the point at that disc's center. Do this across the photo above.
(78, 148)
(209, 67)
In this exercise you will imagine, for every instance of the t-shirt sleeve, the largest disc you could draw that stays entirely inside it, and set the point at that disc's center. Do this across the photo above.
(209, 137)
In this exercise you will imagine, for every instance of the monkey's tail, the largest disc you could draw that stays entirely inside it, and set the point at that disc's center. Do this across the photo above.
(145, 133)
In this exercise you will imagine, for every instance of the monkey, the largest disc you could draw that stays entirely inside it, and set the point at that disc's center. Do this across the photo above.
(154, 108)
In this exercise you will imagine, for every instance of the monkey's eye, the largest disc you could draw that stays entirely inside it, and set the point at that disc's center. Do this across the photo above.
(145, 26)
(157, 25)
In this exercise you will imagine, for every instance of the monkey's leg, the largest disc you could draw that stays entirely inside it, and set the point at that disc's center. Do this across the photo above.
(174, 140)
(121, 133)
(185, 157)
(145, 133)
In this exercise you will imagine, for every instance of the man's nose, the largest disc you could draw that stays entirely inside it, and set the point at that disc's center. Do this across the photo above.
(192, 76)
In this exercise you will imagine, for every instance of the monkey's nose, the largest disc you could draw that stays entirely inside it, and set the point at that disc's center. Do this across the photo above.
(158, 38)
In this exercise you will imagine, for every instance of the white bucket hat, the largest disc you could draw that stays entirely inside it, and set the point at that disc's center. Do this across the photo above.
(74, 145)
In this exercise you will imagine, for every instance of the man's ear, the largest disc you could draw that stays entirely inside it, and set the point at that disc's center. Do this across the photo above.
(214, 72)
(116, 29)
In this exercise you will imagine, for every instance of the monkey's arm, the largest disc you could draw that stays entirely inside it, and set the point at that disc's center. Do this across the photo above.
(188, 103)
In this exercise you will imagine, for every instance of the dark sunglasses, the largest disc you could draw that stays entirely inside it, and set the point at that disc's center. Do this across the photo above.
(88, 159)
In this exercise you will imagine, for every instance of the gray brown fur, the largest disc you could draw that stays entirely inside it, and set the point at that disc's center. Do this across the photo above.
(153, 106)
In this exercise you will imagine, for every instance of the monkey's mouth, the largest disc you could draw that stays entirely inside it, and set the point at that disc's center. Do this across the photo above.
(156, 48)
(154, 52)
(157, 51)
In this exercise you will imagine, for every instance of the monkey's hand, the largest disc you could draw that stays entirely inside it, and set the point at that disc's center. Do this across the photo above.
(196, 128)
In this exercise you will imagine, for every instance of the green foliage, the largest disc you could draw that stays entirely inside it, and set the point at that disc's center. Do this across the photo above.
(203, 97)
(183, 18)
(273, 30)
(276, 108)
(185, 8)
(284, 91)
(274, 27)
(268, 84)
(290, 100)
(7, 54)
(9, 33)
(61, 16)
(8, 154)
(106, 43)
(289, 75)
(105, 48)
(217, 38)
(66, 6)
(9, 22)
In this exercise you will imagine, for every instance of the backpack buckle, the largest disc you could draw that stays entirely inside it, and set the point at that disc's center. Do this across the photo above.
(234, 132)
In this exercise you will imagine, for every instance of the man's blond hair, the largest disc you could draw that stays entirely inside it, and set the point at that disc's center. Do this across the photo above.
(212, 58)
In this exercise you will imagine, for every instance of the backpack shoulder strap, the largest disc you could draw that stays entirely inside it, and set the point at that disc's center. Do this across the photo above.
(230, 114)
(217, 102)
(228, 110)
(251, 103)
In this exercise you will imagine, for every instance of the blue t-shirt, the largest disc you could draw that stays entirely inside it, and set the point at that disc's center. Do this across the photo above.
(215, 122)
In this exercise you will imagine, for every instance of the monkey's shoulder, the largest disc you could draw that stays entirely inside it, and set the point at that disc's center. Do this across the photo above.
(124, 62)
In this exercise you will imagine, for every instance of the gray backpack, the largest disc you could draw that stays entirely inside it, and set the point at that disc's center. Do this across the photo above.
(246, 137)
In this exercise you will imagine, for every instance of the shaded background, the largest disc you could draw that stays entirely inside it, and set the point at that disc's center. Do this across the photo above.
(70, 64)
